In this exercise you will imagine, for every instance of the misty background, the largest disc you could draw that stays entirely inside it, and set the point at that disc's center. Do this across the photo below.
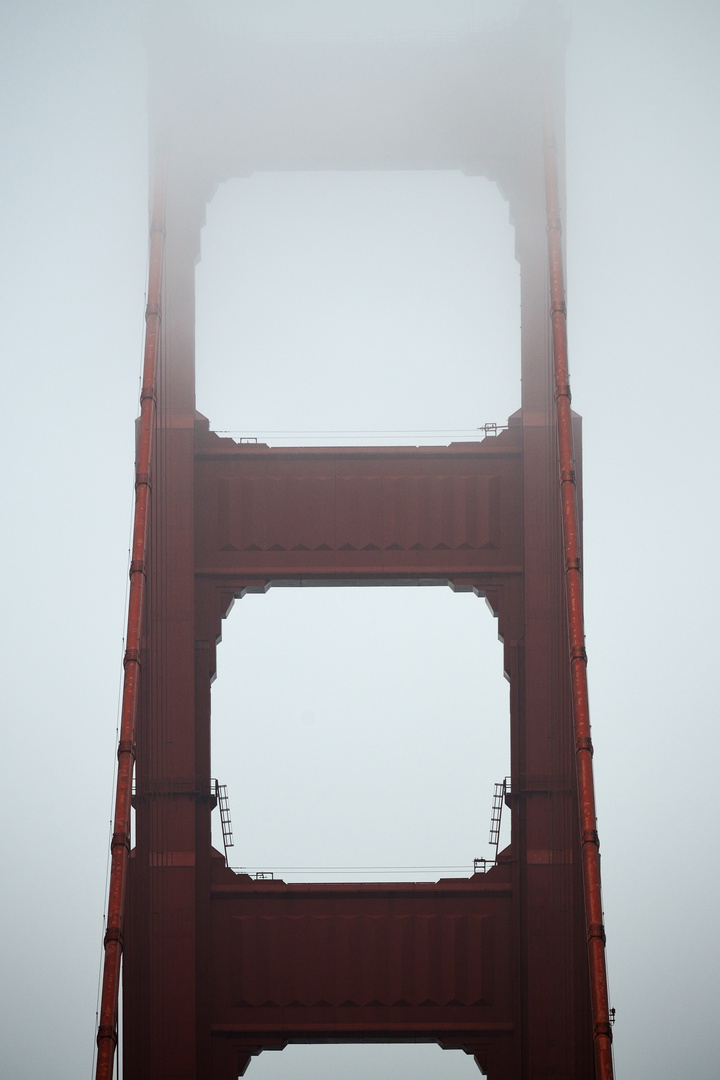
(361, 727)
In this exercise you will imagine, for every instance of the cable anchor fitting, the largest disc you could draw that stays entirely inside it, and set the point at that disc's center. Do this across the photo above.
(603, 1030)
(590, 836)
(584, 742)
(126, 746)
(113, 933)
(596, 930)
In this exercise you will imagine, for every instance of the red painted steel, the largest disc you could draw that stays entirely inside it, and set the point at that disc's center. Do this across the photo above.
(358, 512)
(342, 962)
(120, 846)
(602, 1030)
(215, 965)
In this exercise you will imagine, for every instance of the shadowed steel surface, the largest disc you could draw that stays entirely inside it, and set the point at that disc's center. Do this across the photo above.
(379, 962)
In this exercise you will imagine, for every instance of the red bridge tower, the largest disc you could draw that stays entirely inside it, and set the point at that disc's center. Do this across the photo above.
(507, 964)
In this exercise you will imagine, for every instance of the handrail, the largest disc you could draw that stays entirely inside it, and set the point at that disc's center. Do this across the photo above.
(602, 1030)
(107, 1035)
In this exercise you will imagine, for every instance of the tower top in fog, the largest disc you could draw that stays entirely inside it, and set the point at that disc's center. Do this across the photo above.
(231, 105)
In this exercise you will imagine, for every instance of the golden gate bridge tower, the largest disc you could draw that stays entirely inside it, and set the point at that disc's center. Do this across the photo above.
(507, 964)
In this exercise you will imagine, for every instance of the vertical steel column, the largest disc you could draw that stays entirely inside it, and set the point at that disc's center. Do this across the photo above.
(602, 1031)
(120, 845)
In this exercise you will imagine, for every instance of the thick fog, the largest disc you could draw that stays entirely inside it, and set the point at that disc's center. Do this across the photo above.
(364, 728)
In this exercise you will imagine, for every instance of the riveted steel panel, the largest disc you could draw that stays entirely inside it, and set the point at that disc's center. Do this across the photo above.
(336, 513)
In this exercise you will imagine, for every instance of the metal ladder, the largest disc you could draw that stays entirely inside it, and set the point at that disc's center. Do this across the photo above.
(501, 791)
(224, 804)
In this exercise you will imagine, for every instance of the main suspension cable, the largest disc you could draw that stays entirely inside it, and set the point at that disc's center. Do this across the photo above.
(107, 1035)
(602, 1030)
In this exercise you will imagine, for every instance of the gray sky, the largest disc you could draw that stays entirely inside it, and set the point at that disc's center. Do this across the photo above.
(283, 329)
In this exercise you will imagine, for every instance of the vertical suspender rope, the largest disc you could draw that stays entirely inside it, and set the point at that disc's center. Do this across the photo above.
(602, 1032)
(107, 1035)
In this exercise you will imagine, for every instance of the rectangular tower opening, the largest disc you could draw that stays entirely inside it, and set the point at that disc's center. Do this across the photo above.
(416, 1061)
(347, 307)
(360, 732)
